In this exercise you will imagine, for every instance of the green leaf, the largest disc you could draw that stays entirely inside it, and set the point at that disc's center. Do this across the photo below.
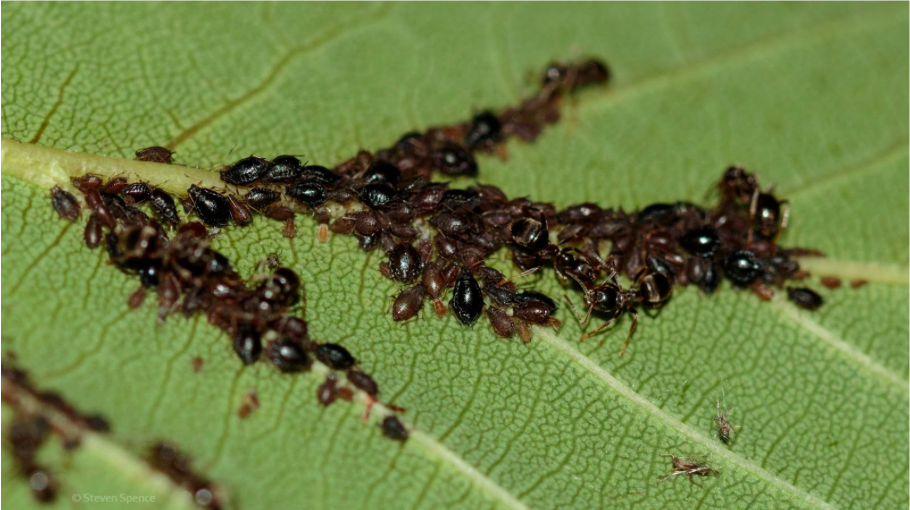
(813, 96)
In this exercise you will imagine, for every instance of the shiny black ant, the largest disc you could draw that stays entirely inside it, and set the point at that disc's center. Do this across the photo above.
(609, 298)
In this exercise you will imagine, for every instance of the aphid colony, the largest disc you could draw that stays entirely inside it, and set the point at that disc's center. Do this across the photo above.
(174, 464)
(189, 277)
(37, 416)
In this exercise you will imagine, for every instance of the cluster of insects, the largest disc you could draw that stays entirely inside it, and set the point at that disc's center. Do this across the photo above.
(38, 415)
(167, 459)
(174, 260)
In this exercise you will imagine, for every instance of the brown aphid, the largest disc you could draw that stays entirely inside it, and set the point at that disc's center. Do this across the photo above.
(323, 233)
(240, 212)
(87, 181)
(393, 428)
(524, 332)
(65, 204)
(502, 323)
(136, 298)
(155, 155)
(93, 232)
(434, 282)
(691, 467)
(198, 363)
(250, 404)
(855, 284)
(832, 282)
(290, 228)
(363, 381)
(327, 392)
(763, 291)
(114, 186)
(280, 213)
(408, 303)
(346, 394)
(725, 431)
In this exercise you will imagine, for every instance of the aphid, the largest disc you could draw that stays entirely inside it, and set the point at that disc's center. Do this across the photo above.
(737, 185)
(246, 171)
(805, 298)
(742, 267)
(136, 298)
(831, 282)
(261, 197)
(382, 171)
(467, 298)
(763, 291)
(114, 186)
(97, 204)
(250, 404)
(691, 467)
(137, 191)
(322, 233)
(87, 181)
(408, 303)
(328, 390)
(311, 194)
(198, 363)
(292, 327)
(485, 127)
(155, 155)
(769, 215)
(363, 381)
(335, 356)
(288, 355)
(240, 213)
(530, 234)
(366, 223)
(65, 204)
(280, 213)
(164, 206)
(393, 428)
(453, 159)
(42, 485)
(404, 263)
(502, 324)
(283, 169)
(290, 228)
(93, 232)
(435, 284)
(211, 207)
(320, 174)
(247, 344)
(377, 194)
(702, 241)
(724, 430)
(855, 284)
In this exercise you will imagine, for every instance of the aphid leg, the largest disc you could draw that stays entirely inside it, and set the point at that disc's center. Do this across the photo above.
(519, 275)
(634, 313)
(369, 406)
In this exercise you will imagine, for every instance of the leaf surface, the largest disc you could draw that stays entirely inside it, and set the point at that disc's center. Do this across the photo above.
(812, 96)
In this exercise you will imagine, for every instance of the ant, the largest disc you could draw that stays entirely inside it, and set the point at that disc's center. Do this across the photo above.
(611, 299)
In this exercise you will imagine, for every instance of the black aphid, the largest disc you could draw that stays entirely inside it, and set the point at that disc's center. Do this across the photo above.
(335, 356)
(288, 355)
(467, 298)
(211, 207)
(246, 171)
(805, 298)
(308, 193)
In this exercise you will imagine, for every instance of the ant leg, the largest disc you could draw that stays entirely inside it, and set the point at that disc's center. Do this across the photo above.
(600, 328)
(577, 315)
(634, 313)
(519, 275)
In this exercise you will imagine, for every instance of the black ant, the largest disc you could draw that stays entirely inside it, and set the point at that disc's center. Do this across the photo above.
(611, 299)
